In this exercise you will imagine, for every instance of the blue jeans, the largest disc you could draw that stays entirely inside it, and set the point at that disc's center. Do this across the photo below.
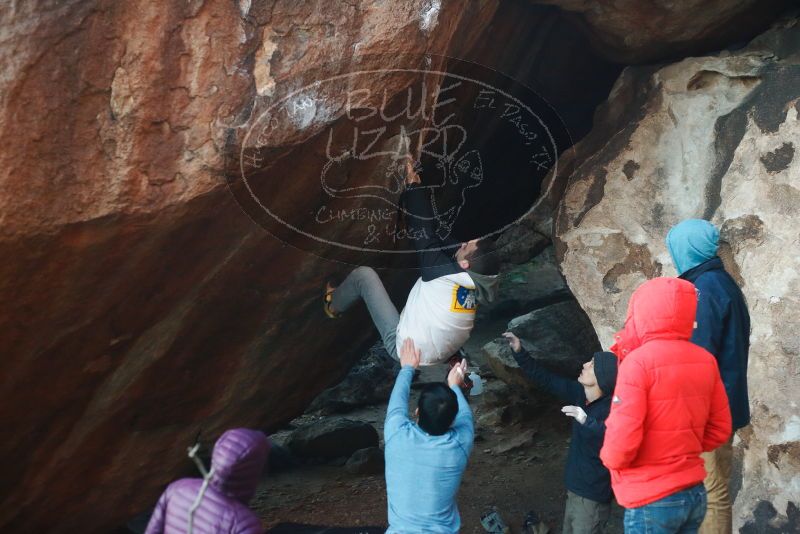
(681, 512)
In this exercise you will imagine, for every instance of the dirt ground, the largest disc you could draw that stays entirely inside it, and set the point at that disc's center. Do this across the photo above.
(529, 477)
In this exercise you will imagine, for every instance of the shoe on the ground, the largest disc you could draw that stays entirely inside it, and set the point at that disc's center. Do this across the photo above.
(493, 523)
(534, 525)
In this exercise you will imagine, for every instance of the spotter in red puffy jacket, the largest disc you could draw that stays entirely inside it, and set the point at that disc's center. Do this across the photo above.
(669, 404)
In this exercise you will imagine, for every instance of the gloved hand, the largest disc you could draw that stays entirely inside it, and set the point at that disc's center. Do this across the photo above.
(576, 412)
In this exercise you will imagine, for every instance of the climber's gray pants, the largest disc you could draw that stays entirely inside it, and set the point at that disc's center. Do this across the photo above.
(363, 283)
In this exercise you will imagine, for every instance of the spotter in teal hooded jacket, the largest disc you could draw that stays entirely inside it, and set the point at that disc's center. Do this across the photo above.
(723, 323)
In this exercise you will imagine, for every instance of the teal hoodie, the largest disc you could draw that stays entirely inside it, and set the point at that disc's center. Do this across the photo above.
(692, 242)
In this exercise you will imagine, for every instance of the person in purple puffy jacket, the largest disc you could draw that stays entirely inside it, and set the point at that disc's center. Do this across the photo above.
(216, 503)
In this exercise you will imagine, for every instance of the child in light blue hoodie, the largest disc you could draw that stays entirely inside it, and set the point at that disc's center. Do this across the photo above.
(425, 460)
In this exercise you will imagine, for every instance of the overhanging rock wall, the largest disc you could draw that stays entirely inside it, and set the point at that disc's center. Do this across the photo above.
(141, 305)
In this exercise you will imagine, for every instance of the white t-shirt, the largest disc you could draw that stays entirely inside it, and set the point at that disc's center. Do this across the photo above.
(438, 316)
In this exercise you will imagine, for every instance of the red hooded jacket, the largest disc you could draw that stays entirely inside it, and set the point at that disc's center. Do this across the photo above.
(669, 404)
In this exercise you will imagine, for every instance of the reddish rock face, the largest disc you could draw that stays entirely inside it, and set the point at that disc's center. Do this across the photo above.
(142, 306)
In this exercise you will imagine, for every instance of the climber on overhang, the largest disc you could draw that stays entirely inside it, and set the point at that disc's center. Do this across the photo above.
(440, 310)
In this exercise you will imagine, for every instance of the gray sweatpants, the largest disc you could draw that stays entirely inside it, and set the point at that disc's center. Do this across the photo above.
(363, 283)
(585, 516)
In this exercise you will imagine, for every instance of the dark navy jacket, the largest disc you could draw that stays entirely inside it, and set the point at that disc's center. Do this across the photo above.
(435, 254)
(585, 475)
(723, 329)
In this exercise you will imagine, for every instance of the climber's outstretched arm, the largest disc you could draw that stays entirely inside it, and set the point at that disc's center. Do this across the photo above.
(435, 254)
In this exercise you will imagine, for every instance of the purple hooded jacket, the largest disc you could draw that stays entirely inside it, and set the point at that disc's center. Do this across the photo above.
(236, 465)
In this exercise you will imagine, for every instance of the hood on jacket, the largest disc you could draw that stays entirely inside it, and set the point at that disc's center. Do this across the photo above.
(661, 308)
(691, 243)
(485, 286)
(238, 460)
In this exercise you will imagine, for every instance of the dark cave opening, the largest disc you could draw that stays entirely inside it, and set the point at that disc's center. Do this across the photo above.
(558, 74)
(498, 118)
